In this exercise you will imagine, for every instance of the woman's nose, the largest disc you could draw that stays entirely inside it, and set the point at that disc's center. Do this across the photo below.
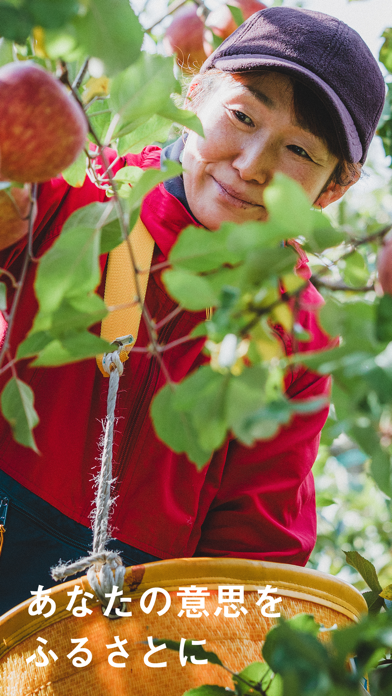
(256, 162)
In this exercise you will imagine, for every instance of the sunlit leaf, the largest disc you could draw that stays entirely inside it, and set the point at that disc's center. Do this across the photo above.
(175, 429)
(191, 291)
(149, 179)
(365, 568)
(288, 205)
(156, 129)
(257, 673)
(198, 249)
(6, 54)
(113, 36)
(75, 174)
(143, 90)
(237, 15)
(184, 117)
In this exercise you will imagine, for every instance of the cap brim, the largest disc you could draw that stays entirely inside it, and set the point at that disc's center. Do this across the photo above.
(345, 127)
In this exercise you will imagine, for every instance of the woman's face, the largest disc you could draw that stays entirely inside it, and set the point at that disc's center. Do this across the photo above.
(251, 133)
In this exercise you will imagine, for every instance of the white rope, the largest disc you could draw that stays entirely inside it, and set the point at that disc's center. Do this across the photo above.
(109, 563)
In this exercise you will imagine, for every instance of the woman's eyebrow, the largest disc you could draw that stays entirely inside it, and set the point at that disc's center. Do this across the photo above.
(261, 97)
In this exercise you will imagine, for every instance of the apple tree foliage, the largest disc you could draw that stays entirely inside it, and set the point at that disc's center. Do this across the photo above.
(246, 273)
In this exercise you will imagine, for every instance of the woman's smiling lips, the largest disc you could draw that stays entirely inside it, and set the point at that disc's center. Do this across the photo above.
(235, 198)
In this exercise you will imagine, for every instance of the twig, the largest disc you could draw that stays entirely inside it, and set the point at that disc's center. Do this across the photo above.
(339, 286)
(26, 261)
(167, 318)
(177, 342)
(173, 7)
(79, 77)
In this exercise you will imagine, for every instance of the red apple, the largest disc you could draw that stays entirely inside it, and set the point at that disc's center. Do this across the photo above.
(185, 38)
(14, 210)
(222, 23)
(384, 265)
(42, 128)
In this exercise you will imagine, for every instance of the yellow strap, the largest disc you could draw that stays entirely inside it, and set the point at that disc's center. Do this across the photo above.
(120, 288)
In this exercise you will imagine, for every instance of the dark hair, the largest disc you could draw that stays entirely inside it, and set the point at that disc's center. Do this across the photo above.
(309, 111)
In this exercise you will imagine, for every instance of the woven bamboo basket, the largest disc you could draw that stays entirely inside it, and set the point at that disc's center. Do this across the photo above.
(237, 641)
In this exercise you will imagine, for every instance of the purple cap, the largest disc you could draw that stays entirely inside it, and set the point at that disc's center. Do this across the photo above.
(323, 53)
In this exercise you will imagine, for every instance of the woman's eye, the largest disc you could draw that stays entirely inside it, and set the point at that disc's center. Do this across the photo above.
(299, 151)
(240, 116)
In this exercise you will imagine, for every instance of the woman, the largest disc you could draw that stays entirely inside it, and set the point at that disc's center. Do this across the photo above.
(278, 95)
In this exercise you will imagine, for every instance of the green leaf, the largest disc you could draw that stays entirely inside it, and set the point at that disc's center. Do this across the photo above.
(384, 318)
(111, 236)
(100, 121)
(75, 174)
(184, 117)
(255, 673)
(190, 650)
(305, 623)
(374, 601)
(288, 206)
(149, 179)
(365, 568)
(323, 235)
(299, 658)
(356, 272)
(209, 690)
(237, 15)
(33, 344)
(113, 35)
(52, 14)
(15, 23)
(264, 263)
(323, 501)
(143, 90)
(71, 266)
(6, 53)
(203, 394)
(175, 429)
(3, 296)
(129, 175)
(198, 249)
(17, 405)
(380, 468)
(386, 50)
(156, 129)
(71, 348)
(191, 291)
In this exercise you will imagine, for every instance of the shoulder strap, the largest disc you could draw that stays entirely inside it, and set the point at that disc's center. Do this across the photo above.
(120, 287)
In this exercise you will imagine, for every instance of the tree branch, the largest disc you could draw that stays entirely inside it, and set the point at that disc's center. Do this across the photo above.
(27, 258)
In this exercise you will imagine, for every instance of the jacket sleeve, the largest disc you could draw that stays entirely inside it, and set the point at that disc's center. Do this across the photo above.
(265, 506)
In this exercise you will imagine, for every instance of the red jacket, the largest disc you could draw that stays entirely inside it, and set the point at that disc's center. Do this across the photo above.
(253, 502)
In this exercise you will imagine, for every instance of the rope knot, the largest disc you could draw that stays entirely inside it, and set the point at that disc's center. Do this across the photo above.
(111, 361)
(111, 574)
